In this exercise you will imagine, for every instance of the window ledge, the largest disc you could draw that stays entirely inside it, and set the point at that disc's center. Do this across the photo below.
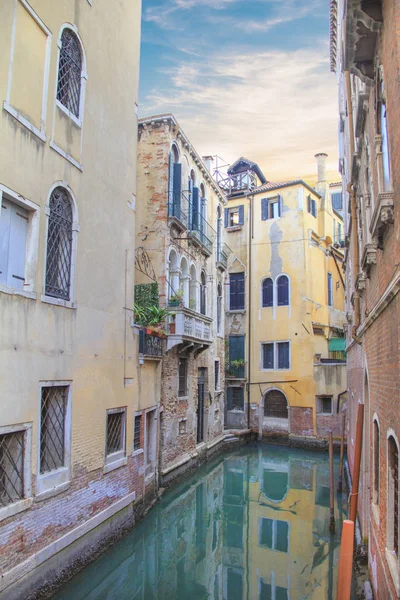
(121, 462)
(69, 114)
(5, 289)
(58, 302)
(54, 491)
(65, 155)
(236, 410)
(137, 452)
(234, 228)
(236, 312)
(24, 121)
(13, 509)
(183, 397)
(393, 563)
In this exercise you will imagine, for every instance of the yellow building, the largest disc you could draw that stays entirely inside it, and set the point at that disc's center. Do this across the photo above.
(68, 367)
(285, 297)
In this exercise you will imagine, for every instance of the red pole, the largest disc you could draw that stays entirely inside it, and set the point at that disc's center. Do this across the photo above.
(332, 486)
(340, 483)
(357, 464)
(346, 561)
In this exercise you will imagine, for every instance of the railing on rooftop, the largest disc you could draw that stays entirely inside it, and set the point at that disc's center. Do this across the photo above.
(239, 183)
(182, 209)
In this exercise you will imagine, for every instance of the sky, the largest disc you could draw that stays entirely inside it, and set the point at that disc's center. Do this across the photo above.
(244, 78)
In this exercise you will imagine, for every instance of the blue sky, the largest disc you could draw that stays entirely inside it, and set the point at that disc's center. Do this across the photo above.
(244, 78)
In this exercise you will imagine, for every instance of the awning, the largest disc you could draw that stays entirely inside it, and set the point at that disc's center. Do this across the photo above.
(337, 345)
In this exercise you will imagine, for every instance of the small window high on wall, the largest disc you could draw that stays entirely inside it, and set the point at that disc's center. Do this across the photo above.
(70, 72)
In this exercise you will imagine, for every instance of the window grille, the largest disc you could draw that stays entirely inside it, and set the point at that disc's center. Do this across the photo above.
(59, 245)
(11, 467)
(275, 405)
(69, 72)
(52, 428)
(235, 398)
(115, 432)
(136, 435)
(324, 405)
(182, 385)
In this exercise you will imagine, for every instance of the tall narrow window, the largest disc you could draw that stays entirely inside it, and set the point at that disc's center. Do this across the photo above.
(330, 290)
(136, 433)
(70, 72)
(283, 290)
(13, 233)
(267, 292)
(375, 496)
(383, 130)
(116, 434)
(393, 497)
(174, 184)
(183, 373)
(219, 308)
(52, 428)
(203, 294)
(59, 245)
(236, 291)
(216, 376)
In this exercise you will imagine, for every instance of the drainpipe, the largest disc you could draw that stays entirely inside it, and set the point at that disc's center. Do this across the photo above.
(354, 222)
(250, 199)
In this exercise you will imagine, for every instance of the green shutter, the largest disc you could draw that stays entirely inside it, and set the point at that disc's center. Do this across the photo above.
(337, 345)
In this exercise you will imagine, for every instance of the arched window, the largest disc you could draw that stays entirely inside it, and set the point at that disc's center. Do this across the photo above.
(393, 497)
(184, 280)
(275, 405)
(70, 72)
(59, 245)
(267, 293)
(219, 233)
(375, 494)
(174, 184)
(383, 131)
(203, 301)
(283, 290)
(193, 288)
(219, 308)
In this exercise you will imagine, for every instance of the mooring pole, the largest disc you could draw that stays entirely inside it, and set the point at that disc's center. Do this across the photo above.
(345, 561)
(357, 463)
(340, 482)
(332, 486)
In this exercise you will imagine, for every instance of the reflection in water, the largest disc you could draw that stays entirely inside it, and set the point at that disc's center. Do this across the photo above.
(252, 526)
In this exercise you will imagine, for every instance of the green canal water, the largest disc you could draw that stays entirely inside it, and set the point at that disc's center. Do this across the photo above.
(252, 525)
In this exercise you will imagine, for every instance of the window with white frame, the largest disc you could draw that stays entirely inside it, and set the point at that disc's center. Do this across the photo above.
(271, 208)
(312, 206)
(70, 72)
(15, 475)
(273, 534)
(325, 405)
(137, 433)
(275, 355)
(59, 245)
(216, 375)
(115, 434)
(275, 293)
(235, 398)
(18, 241)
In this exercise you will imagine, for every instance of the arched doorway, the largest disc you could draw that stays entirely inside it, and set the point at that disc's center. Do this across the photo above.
(276, 411)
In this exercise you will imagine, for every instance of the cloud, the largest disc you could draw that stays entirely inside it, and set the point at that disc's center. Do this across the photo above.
(275, 107)
(160, 15)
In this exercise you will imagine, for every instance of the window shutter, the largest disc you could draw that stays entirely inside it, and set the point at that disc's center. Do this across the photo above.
(226, 217)
(268, 356)
(5, 220)
(241, 291)
(241, 214)
(229, 392)
(195, 208)
(283, 290)
(309, 203)
(264, 209)
(236, 347)
(283, 355)
(267, 293)
(280, 202)
(236, 291)
(17, 248)
(314, 208)
(170, 182)
(177, 190)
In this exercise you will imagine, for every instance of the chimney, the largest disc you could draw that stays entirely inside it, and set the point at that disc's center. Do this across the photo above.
(321, 166)
(208, 161)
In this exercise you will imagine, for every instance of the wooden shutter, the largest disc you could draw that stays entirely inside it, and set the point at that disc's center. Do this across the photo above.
(267, 293)
(5, 222)
(236, 347)
(177, 190)
(280, 202)
(229, 392)
(238, 292)
(226, 217)
(314, 208)
(170, 182)
(264, 209)
(268, 356)
(17, 250)
(283, 355)
(283, 290)
(195, 208)
(309, 203)
(241, 214)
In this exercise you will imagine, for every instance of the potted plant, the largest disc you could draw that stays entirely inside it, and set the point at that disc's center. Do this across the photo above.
(171, 323)
(176, 299)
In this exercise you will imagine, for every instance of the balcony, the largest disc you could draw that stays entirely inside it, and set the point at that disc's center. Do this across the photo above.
(150, 345)
(382, 217)
(339, 241)
(188, 328)
(187, 217)
(238, 184)
(363, 20)
(222, 257)
(234, 370)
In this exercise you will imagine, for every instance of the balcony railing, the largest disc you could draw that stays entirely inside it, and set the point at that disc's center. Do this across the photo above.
(222, 256)
(189, 216)
(239, 183)
(236, 371)
(150, 345)
(339, 241)
(185, 324)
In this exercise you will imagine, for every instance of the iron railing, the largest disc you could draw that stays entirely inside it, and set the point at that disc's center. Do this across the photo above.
(222, 255)
(236, 371)
(339, 241)
(239, 183)
(182, 209)
(150, 345)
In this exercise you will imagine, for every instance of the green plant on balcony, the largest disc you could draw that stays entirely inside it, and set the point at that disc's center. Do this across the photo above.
(176, 299)
(238, 363)
(152, 317)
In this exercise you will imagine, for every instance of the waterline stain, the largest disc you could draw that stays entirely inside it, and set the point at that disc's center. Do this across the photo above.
(253, 525)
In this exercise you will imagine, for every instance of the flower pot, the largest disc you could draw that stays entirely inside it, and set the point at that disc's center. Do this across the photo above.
(174, 302)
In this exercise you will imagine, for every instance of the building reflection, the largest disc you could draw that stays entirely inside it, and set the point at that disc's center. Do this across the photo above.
(252, 526)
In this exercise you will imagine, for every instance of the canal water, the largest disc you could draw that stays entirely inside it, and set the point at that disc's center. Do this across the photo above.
(252, 525)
